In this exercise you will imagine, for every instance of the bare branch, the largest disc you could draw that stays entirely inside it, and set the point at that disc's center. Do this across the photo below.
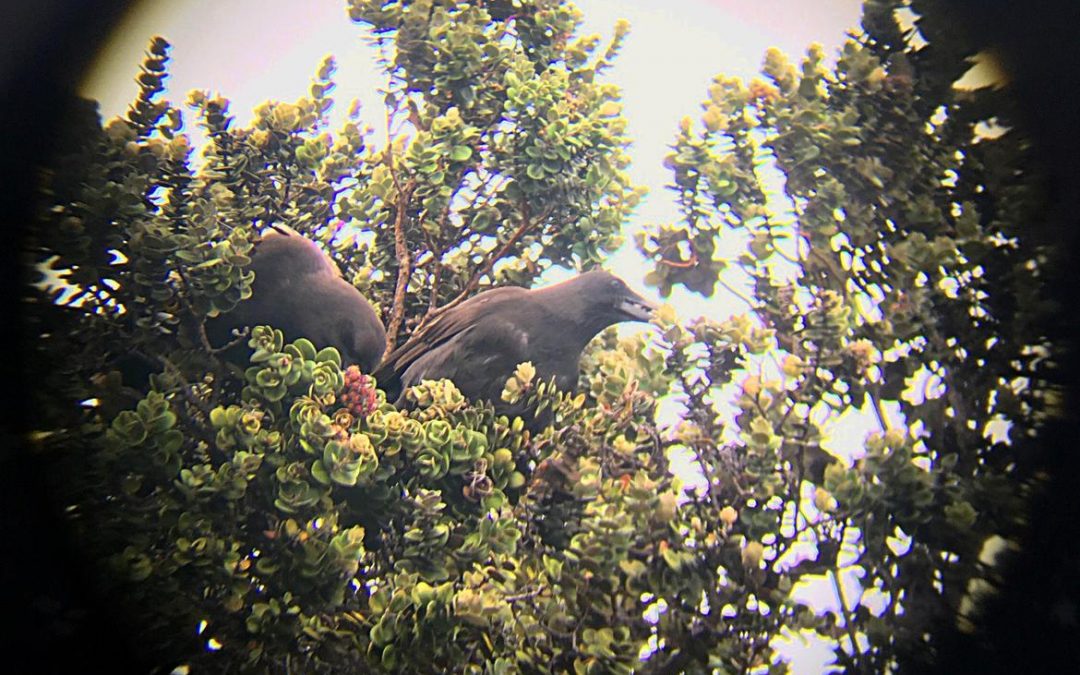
(474, 281)
(401, 249)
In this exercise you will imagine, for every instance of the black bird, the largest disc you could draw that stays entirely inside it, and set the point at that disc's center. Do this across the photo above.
(478, 344)
(299, 289)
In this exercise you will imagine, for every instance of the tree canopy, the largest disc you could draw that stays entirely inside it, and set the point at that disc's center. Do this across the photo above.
(289, 518)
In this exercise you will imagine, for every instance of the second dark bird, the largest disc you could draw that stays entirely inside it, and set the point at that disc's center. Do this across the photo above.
(299, 289)
(478, 344)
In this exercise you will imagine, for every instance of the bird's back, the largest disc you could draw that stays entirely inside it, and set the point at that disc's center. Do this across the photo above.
(478, 344)
(299, 289)
(449, 343)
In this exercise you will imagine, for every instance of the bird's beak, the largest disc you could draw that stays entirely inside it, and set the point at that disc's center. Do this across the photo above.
(637, 307)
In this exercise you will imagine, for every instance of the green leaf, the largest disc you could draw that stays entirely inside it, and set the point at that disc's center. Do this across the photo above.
(461, 153)
(319, 472)
(218, 417)
(330, 354)
(170, 441)
(305, 348)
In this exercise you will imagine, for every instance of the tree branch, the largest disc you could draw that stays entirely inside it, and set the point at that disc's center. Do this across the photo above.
(401, 249)
(489, 264)
(204, 341)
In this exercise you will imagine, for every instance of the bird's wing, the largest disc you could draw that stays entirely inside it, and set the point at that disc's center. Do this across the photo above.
(478, 359)
(456, 321)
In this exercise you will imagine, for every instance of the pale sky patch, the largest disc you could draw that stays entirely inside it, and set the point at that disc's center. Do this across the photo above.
(253, 50)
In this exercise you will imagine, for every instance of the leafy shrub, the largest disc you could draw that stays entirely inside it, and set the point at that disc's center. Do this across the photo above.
(288, 517)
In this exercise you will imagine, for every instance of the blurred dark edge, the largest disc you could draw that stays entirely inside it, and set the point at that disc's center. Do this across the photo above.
(1032, 626)
(54, 623)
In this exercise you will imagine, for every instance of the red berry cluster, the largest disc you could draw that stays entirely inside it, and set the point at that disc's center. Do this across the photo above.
(359, 394)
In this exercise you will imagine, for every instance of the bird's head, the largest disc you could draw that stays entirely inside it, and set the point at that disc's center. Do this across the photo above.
(361, 335)
(605, 299)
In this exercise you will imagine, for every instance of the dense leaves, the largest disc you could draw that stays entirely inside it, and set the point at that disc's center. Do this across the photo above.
(286, 517)
(899, 273)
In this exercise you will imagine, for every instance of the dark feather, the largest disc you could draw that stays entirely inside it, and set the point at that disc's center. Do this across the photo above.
(299, 289)
(478, 344)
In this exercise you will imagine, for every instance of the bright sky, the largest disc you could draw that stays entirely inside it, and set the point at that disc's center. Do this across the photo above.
(254, 50)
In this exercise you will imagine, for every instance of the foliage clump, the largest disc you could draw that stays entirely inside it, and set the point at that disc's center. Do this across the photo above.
(285, 516)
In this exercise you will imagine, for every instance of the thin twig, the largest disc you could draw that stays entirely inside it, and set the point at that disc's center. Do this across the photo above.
(401, 249)
(436, 278)
(489, 264)
(401, 244)
(685, 264)
(203, 339)
(241, 335)
(879, 408)
(528, 595)
(834, 575)
(738, 294)
(486, 268)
